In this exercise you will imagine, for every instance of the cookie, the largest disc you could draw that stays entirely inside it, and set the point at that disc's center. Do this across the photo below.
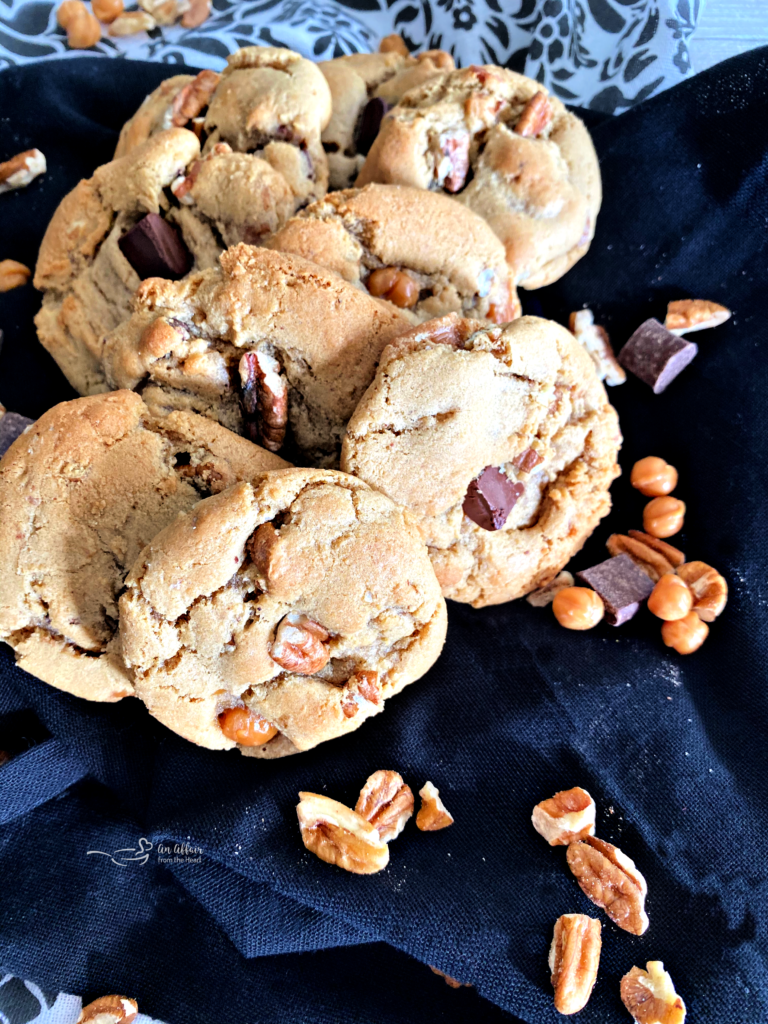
(268, 101)
(268, 344)
(417, 249)
(276, 616)
(82, 491)
(499, 143)
(96, 251)
(363, 87)
(500, 439)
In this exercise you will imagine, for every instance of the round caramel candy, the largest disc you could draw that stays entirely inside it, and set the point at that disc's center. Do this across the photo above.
(246, 727)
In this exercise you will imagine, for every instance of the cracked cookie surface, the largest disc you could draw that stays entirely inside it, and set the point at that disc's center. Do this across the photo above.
(87, 281)
(187, 340)
(451, 258)
(204, 612)
(526, 165)
(450, 400)
(354, 80)
(81, 493)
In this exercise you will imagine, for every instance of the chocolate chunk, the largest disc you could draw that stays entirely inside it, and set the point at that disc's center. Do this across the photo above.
(655, 355)
(369, 123)
(490, 498)
(11, 426)
(154, 249)
(621, 584)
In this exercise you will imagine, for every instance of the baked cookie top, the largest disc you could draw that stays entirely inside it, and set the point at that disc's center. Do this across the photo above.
(501, 440)
(268, 344)
(363, 87)
(417, 249)
(88, 279)
(500, 144)
(276, 616)
(81, 492)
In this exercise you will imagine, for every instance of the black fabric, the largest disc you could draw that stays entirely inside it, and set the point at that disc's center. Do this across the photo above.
(673, 749)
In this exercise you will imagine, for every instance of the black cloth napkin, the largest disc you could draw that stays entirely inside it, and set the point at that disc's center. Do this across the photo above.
(245, 925)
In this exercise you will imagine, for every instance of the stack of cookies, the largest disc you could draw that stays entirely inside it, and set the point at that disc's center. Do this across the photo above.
(308, 416)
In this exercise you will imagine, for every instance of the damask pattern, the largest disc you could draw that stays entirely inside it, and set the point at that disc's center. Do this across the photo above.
(603, 54)
(23, 1002)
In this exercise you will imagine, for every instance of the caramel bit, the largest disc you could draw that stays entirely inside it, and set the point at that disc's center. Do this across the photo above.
(386, 802)
(13, 275)
(670, 599)
(574, 958)
(663, 517)
(246, 727)
(687, 315)
(394, 44)
(301, 645)
(433, 814)
(578, 608)
(536, 116)
(394, 285)
(566, 817)
(653, 477)
(340, 836)
(611, 880)
(685, 635)
(650, 995)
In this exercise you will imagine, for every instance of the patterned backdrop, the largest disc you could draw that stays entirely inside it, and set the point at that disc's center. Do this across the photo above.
(603, 54)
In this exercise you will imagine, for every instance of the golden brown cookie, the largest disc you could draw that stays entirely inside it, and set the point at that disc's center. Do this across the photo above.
(500, 144)
(276, 616)
(269, 345)
(417, 249)
(81, 492)
(88, 281)
(363, 87)
(501, 440)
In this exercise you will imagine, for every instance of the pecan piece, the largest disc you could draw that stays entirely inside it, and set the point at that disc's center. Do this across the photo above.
(595, 340)
(131, 23)
(363, 685)
(536, 116)
(687, 315)
(574, 957)
(433, 814)
(453, 166)
(387, 802)
(546, 595)
(611, 880)
(21, 169)
(650, 995)
(709, 589)
(165, 12)
(265, 399)
(529, 460)
(301, 645)
(109, 1010)
(449, 981)
(13, 274)
(655, 559)
(567, 816)
(194, 97)
(340, 836)
(199, 11)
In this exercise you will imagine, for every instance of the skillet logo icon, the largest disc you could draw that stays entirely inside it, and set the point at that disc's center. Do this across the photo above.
(129, 855)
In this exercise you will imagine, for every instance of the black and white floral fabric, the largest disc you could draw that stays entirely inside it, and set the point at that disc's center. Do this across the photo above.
(603, 54)
(23, 1002)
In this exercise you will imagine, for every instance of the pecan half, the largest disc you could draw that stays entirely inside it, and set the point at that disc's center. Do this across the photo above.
(687, 315)
(536, 116)
(265, 399)
(650, 995)
(709, 589)
(650, 554)
(595, 340)
(567, 816)
(387, 802)
(21, 169)
(362, 685)
(546, 595)
(340, 836)
(453, 166)
(194, 97)
(13, 274)
(131, 23)
(611, 880)
(109, 1010)
(433, 814)
(574, 957)
(301, 645)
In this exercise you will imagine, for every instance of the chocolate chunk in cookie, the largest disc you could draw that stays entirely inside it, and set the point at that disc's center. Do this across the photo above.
(154, 249)
(490, 498)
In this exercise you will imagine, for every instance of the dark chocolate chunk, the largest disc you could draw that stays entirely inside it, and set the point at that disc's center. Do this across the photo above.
(490, 498)
(369, 123)
(621, 584)
(154, 249)
(655, 355)
(11, 426)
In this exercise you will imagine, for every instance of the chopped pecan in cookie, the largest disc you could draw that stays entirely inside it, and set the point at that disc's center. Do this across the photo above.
(265, 398)
(301, 645)
(194, 97)
(536, 116)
